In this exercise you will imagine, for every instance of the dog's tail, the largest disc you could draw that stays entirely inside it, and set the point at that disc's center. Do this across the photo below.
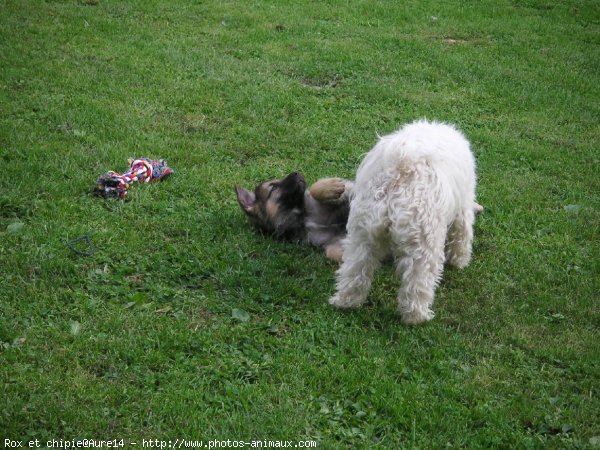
(385, 157)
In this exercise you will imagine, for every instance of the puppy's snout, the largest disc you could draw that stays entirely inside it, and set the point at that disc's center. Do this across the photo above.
(295, 177)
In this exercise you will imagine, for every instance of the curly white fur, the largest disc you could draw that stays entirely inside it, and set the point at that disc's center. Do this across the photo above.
(414, 197)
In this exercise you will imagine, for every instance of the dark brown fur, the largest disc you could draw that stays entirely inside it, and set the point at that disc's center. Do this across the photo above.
(286, 210)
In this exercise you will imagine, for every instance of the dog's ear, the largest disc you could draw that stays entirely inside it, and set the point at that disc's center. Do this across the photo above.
(246, 199)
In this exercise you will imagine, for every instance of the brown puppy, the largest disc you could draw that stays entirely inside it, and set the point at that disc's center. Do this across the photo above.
(286, 210)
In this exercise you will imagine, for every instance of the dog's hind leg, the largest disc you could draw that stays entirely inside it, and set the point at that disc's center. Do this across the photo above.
(334, 251)
(354, 276)
(362, 255)
(460, 238)
(419, 264)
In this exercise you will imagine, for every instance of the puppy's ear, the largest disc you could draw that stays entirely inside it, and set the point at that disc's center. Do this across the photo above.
(246, 199)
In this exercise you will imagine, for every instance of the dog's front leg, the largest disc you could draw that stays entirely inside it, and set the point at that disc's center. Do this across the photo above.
(331, 190)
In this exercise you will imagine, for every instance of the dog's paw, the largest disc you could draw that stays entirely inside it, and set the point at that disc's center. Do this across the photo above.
(344, 302)
(334, 252)
(416, 316)
(335, 301)
(460, 262)
(328, 189)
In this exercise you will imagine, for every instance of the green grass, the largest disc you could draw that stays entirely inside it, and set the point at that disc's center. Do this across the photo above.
(138, 340)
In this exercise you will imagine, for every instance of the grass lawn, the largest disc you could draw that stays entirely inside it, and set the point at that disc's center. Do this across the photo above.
(185, 323)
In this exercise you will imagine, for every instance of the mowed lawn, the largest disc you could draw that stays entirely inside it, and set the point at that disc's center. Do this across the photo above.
(185, 323)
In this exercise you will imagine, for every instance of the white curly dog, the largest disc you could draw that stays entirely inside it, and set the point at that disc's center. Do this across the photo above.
(413, 198)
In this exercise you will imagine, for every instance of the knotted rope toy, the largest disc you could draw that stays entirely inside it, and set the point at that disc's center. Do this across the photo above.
(114, 185)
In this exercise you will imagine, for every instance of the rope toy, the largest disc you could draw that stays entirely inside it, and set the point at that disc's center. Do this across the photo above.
(114, 185)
